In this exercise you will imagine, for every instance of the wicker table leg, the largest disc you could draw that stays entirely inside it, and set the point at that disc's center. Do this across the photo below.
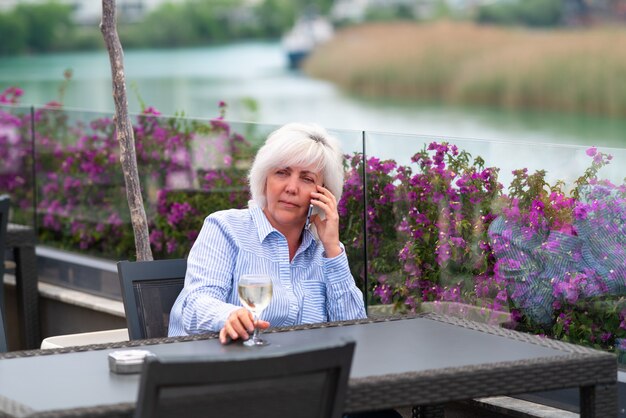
(27, 295)
(598, 401)
(428, 411)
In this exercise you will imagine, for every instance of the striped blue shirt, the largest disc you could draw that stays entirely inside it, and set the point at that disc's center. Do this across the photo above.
(309, 289)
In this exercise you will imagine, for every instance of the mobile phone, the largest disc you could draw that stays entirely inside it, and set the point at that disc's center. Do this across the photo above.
(307, 225)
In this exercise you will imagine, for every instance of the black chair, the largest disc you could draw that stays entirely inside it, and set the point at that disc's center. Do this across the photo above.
(309, 382)
(3, 335)
(149, 290)
(4, 220)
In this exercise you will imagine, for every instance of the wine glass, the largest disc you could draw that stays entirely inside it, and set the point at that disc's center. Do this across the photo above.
(255, 293)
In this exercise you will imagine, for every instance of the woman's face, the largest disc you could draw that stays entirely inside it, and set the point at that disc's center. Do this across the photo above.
(288, 193)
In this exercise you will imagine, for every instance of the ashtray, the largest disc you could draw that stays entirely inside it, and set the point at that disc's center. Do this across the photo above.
(128, 361)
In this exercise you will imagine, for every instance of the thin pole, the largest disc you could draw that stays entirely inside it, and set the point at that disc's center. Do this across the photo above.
(365, 237)
(33, 155)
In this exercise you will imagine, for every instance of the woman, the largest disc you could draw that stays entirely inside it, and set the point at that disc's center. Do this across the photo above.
(299, 165)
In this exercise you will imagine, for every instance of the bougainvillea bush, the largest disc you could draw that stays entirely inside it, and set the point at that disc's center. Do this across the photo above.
(445, 201)
(555, 257)
(16, 149)
(562, 255)
(426, 228)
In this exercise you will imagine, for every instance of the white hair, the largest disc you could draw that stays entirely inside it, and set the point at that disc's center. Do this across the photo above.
(298, 145)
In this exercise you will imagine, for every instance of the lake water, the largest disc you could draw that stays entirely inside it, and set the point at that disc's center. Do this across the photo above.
(194, 80)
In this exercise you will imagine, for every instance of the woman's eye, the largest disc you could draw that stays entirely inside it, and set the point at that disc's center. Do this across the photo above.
(308, 180)
(281, 173)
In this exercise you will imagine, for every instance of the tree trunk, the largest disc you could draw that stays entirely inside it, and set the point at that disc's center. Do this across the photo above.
(124, 129)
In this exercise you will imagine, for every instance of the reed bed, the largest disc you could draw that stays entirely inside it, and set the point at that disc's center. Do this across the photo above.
(582, 71)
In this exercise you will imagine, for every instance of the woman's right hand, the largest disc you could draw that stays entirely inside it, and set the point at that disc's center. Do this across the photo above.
(240, 324)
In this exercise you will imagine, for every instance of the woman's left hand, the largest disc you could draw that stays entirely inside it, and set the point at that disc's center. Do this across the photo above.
(327, 228)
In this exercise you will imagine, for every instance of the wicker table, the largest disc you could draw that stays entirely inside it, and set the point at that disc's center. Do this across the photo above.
(423, 360)
(22, 240)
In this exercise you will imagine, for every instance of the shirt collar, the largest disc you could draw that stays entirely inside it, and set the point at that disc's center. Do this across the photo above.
(264, 228)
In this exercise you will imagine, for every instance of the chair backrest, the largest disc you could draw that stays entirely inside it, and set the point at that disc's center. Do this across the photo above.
(309, 382)
(149, 290)
(3, 334)
(4, 220)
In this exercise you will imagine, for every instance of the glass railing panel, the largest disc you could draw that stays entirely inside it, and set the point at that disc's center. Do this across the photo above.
(187, 168)
(216, 179)
(16, 162)
(531, 235)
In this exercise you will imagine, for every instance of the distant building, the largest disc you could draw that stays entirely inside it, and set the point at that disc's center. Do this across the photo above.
(356, 11)
(588, 12)
(349, 10)
(87, 12)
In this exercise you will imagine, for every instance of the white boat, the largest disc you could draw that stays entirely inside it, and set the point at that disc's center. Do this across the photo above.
(306, 34)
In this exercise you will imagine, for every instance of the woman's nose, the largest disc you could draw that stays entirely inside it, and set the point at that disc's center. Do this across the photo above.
(292, 185)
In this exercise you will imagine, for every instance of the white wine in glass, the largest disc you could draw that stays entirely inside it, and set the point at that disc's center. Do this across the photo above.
(255, 293)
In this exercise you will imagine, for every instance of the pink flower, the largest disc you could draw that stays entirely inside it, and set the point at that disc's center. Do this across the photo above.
(11, 95)
(151, 111)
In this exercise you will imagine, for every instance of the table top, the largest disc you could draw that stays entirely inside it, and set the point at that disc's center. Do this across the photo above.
(397, 362)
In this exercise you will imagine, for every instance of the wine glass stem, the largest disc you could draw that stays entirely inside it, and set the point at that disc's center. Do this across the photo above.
(255, 335)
